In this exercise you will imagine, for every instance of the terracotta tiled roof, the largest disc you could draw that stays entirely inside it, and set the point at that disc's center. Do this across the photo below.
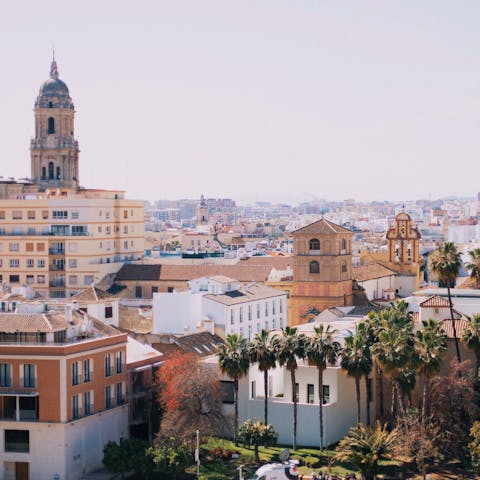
(92, 294)
(435, 302)
(370, 272)
(32, 322)
(322, 227)
(280, 263)
(243, 273)
(460, 325)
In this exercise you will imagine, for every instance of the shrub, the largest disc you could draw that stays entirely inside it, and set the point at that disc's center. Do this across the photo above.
(312, 462)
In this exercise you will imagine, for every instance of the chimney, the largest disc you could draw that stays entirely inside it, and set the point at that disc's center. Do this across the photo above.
(68, 314)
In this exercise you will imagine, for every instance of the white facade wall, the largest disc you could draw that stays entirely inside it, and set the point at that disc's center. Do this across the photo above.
(375, 288)
(176, 312)
(72, 449)
(404, 285)
(462, 233)
(249, 317)
(339, 415)
(97, 310)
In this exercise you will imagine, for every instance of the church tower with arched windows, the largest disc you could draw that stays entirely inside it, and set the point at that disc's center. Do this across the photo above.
(322, 269)
(54, 150)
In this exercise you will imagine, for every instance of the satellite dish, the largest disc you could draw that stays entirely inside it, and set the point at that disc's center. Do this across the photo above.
(284, 455)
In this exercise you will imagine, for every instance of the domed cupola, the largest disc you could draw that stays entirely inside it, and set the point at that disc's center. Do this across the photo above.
(54, 92)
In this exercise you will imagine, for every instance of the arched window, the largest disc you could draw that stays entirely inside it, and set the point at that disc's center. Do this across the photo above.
(50, 104)
(51, 125)
(58, 173)
(44, 173)
(344, 267)
(314, 267)
(314, 244)
(50, 170)
(344, 244)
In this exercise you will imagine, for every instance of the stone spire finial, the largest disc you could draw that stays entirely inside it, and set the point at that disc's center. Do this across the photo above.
(53, 67)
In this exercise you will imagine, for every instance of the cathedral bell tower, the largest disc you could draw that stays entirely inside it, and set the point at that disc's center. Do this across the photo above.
(54, 150)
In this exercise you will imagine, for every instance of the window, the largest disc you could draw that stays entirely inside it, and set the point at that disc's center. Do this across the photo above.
(266, 309)
(87, 371)
(119, 361)
(154, 290)
(14, 263)
(14, 278)
(326, 394)
(232, 317)
(45, 214)
(241, 314)
(5, 375)
(75, 374)
(51, 125)
(17, 215)
(108, 230)
(41, 263)
(273, 307)
(74, 215)
(30, 262)
(108, 397)
(40, 279)
(314, 244)
(30, 279)
(14, 247)
(108, 365)
(76, 410)
(227, 391)
(72, 263)
(125, 214)
(314, 267)
(2, 214)
(29, 375)
(40, 247)
(87, 403)
(59, 214)
(72, 246)
(29, 247)
(343, 244)
(253, 389)
(281, 305)
(258, 310)
(79, 229)
(108, 312)
(344, 267)
(119, 393)
(17, 441)
(88, 280)
(249, 312)
(73, 280)
(310, 393)
(31, 214)
(138, 291)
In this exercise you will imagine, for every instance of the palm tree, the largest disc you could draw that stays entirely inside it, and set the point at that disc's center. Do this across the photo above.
(261, 352)
(357, 362)
(471, 338)
(474, 265)
(446, 263)
(431, 347)
(394, 350)
(289, 348)
(365, 446)
(320, 350)
(233, 361)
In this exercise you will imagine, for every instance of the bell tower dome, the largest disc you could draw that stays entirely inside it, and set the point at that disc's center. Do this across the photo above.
(54, 150)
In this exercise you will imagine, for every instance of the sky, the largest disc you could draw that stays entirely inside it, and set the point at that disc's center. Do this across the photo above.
(265, 99)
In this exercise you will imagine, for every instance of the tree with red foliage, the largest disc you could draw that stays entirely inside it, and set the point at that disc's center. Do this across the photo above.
(190, 398)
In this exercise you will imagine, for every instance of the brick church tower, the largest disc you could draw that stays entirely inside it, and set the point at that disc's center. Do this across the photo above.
(322, 269)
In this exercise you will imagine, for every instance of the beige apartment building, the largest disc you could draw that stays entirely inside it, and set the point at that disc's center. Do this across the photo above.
(55, 235)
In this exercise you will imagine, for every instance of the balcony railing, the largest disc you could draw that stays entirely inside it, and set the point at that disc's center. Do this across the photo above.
(57, 283)
(57, 268)
(89, 409)
(120, 367)
(88, 376)
(6, 382)
(121, 399)
(56, 251)
(76, 413)
(109, 403)
(37, 233)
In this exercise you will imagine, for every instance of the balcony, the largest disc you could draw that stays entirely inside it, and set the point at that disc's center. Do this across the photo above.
(57, 268)
(109, 402)
(59, 282)
(89, 409)
(121, 399)
(88, 376)
(38, 233)
(56, 251)
(76, 413)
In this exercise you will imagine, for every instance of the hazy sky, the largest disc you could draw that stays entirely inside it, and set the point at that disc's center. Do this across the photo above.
(336, 99)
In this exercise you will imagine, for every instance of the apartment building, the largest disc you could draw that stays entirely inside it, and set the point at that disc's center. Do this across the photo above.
(55, 235)
(63, 386)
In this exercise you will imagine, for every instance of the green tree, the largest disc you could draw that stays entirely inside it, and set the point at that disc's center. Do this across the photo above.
(169, 460)
(431, 347)
(365, 446)
(257, 433)
(322, 349)
(356, 361)
(289, 347)
(261, 352)
(233, 361)
(446, 263)
(471, 338)
(474, 445)
(474, 265)
(126, 456)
